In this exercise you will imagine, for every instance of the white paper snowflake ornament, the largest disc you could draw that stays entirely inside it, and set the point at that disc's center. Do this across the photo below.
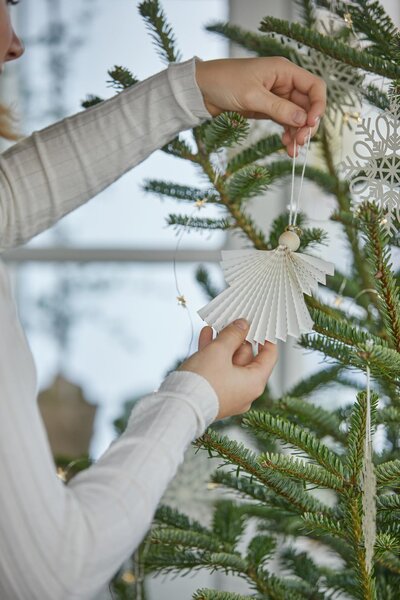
(375, 170)
(266, 288)
(343, 85)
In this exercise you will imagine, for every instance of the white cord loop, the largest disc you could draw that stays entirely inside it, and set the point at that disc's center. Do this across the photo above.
(295, 205)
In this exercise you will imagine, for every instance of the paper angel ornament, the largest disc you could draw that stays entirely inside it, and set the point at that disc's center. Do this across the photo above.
(266, 288)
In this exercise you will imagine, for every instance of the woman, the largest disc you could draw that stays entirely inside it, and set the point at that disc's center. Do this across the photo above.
(58, 541)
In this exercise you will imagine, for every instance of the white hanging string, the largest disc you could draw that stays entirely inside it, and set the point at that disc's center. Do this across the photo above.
(368, 434)
(368, 481)
(295, 204)
(180, 297)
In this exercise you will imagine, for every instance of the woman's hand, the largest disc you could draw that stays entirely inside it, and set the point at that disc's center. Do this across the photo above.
(228, 364)
(265, 88)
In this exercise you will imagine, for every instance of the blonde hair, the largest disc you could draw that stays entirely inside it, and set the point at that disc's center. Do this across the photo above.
(7, 119)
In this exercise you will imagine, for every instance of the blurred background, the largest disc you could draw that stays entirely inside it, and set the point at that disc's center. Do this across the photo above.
(105, 327)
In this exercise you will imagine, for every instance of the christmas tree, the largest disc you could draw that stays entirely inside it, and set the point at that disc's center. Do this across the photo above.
(299, 447)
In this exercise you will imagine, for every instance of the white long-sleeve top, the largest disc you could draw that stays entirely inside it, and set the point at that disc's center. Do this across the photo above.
(57, 541)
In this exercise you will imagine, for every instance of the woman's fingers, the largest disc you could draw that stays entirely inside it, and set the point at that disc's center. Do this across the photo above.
(265, 360)
(205, 337)
(314, 88)
(300, 99)
(244, 355)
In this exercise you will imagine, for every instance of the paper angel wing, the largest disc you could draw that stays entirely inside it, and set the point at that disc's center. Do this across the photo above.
(266, 287)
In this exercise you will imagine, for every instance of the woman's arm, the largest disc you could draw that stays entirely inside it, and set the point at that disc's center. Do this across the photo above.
(65, 542)
(53, 171)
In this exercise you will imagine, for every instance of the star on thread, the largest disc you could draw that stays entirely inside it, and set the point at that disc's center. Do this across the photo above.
(128, 577)
(200, 203)
(181, 300)
(348, 20)
(61, 473)
(355, 115)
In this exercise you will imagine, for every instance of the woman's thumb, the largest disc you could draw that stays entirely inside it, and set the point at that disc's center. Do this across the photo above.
(283, 111)
(234, 335)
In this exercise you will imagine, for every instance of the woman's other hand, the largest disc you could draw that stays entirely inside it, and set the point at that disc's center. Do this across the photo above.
(228, 364)
(265, 88)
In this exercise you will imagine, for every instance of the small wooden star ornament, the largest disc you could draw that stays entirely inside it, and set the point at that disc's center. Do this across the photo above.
(181, 300)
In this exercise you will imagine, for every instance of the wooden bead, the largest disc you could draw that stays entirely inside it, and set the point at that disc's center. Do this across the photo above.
(290, 239)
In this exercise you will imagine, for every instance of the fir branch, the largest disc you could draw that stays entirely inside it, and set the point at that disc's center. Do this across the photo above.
(168, 560)
(374, 96)
(323, 524)
(171, 517)
(228, 522)
(260, 548)
(283, 168)
(343, 284)
(121, 78)
(278, 589)
(224, 131)
(370, 19)
(307, 12)
(263, 423)
(302, 565)
(91, 100)
(179, 192)
(356, 435)
(207, 594)
(384, 362)
(203, 278)
(242, 220)
(237, 454)
(387, 542)
(178, 221)
(388, 503)
(322, 422)
(378, 254)
(342, 330)
(309, 237)
(330, 348)
(160, 30)
(388, 474)
(330, 47)
(299, 469)
(389, 561)
(260, 44)
(388, 415)
(308, 386)
(273, 519)
(259, 150)
(227, 562)
(179, 148)
(346, 217)
(171, 536)
(246, 183)
(247, 487)
(341, 582)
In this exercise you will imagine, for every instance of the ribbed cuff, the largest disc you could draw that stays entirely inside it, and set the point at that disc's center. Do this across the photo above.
(182, 79)
(196, 391)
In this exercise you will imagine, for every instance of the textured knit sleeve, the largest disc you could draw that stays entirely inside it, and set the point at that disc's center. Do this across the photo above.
(51, 172)
(65, 542)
